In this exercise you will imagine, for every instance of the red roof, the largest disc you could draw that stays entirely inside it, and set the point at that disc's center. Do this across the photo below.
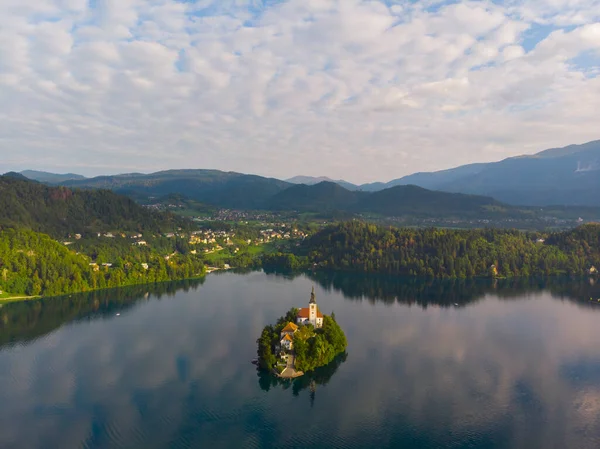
(305, 313)
(290, 327)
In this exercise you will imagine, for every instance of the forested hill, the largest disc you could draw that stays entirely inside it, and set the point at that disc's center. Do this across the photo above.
(396, 201)
(214, 187)
(247, 192)
(33, 264)
(59, 211)
(443, 253)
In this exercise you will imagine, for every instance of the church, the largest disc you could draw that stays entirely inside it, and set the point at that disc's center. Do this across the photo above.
(311, 314)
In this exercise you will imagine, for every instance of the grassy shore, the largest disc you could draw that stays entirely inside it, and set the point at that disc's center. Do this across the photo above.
(8, 297)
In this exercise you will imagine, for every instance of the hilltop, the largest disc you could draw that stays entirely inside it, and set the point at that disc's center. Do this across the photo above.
(50, 178)
(311, 180)
(213, 187)
(59, 211)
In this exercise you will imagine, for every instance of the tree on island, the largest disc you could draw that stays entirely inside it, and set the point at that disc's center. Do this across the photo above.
(313, 348)
(318, 347)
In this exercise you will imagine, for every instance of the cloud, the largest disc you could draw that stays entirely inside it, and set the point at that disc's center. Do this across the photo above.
(354, 89)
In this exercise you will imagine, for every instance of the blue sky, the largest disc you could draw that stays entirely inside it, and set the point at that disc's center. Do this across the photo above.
(353, 89)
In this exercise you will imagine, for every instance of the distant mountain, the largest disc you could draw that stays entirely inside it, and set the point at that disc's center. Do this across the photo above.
(568, 176)
(324, 196)
(59, 211)
(396, 201)
(15, 175)
(213, 187)
(312, 180)
(50, 178)
(417, 201)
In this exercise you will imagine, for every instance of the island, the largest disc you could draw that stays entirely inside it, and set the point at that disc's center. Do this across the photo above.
(301, 341)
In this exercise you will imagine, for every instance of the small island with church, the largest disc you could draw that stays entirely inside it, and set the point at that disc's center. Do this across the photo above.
(301, 341)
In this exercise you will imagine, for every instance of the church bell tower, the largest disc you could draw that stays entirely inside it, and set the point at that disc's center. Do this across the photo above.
(312, 306)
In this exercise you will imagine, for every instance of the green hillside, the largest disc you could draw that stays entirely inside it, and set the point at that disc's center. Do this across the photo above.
(324, 196)
(416, 201)
(34, 264)
(59, 211)
(396, 201)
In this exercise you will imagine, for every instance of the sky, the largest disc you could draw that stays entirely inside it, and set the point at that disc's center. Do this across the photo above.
(353, 89)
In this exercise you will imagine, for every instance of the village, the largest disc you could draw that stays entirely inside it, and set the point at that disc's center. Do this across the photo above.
(208, 243)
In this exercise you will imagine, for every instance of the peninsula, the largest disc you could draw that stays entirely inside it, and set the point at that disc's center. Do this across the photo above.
(301, 341)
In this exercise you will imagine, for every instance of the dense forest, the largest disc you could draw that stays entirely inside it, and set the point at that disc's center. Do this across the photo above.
(444, 253)
(59, 211)
(34, 264)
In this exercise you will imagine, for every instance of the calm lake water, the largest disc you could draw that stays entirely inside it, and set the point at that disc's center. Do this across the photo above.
(428, 365)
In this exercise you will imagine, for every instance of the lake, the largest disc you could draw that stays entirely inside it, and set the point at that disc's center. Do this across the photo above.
(477, 364)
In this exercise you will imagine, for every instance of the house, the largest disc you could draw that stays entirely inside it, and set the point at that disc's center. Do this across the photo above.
(593, 270)
(287, 342)
(145, 266)
(287, 333)
(311, 314)
(290, 328)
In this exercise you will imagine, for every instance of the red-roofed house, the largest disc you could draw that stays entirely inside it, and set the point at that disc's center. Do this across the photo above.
(287, 342)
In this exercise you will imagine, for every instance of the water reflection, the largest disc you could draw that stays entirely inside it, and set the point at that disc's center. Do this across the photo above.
(444, 293)
(517, 365)
(25, 321)
(319, 377)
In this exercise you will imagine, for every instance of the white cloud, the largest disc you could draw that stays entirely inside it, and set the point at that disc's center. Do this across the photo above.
(352, 89)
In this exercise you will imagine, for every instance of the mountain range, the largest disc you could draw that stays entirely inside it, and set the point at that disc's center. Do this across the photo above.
(558, 176)
(567, 176)
(240, 191)
(32, 202)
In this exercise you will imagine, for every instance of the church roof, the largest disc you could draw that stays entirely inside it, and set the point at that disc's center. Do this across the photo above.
(305, 313)
(290, 327)
(287, 337)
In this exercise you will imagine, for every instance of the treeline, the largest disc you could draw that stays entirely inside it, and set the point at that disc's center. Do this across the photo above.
(34, 264)
(444, 253)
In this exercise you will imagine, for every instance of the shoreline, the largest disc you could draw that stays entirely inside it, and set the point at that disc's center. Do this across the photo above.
(17, 298)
